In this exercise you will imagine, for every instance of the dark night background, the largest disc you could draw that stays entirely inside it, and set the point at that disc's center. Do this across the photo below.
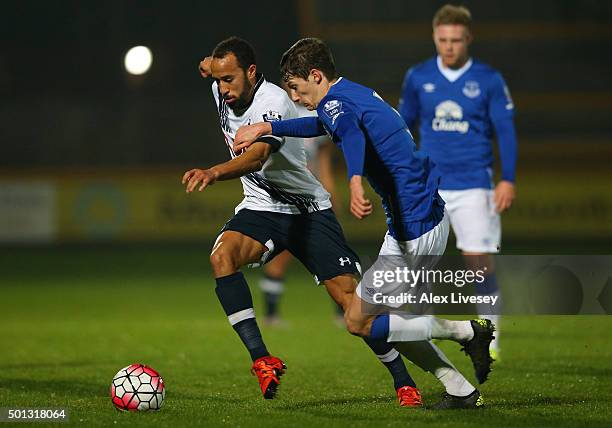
(67, 101)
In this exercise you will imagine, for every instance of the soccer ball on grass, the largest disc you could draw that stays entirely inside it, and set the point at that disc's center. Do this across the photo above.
(138, 387)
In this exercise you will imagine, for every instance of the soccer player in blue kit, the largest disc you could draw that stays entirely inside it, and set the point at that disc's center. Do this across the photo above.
(377, 144)
(458, 102)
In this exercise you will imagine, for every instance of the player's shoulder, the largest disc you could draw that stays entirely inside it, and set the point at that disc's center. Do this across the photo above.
(347, 91)
(424, 68)
(484, 70)
(268, 91)
(271, 103)
(342, 97)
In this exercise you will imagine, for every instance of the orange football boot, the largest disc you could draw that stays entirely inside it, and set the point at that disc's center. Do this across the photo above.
(409, 396)
(268, 370)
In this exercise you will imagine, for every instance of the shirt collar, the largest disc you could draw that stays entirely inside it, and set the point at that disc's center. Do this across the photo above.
(332, 86)
(452, 74)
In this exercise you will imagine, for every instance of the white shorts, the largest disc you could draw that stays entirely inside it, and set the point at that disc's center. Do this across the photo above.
(475, 222)
(414, 254)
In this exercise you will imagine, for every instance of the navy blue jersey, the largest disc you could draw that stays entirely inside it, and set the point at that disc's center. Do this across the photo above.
(377, 144)
(457, 119)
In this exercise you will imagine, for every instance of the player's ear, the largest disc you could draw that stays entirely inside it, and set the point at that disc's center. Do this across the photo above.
(468, 36)
(317, 77)
(252, 71)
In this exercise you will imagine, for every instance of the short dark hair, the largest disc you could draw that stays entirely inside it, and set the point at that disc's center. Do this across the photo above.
(242, 50)
(305, 55)
(452, 15)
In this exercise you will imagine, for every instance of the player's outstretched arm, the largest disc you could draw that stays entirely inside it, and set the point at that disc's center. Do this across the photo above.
(251, 160)
(248, 134)
(303, 127)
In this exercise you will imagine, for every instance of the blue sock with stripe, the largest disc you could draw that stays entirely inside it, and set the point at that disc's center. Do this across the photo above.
(235, 297)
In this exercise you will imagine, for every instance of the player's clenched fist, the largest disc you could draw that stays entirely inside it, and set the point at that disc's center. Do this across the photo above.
(204, 67)
(203, 177)
(247, 135)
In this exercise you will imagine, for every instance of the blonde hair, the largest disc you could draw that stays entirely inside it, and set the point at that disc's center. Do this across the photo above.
(453, 15)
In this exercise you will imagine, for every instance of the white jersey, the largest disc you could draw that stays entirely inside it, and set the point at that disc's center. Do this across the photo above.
(311, 145)
(284, 184)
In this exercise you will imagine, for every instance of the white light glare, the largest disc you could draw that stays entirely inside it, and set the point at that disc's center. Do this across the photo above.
(138, 60)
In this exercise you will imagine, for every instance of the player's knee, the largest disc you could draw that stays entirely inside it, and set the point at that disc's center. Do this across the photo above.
(354, 326)
(222, 262)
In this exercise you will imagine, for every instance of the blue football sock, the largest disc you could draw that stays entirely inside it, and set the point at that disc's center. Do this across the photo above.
(380, 327)
(392, 361)
(235, 297)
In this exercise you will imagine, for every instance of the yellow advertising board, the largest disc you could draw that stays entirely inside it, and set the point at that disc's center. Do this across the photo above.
(150, 205)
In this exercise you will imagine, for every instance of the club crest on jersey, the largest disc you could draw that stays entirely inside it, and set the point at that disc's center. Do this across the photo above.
(429, 87)
(272, 116)
(471, 89)
(449, 117)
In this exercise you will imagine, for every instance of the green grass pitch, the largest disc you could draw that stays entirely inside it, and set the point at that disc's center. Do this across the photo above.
(72, 317)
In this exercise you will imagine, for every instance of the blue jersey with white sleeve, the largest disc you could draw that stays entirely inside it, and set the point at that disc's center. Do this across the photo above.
(377, 144)
(457, 113)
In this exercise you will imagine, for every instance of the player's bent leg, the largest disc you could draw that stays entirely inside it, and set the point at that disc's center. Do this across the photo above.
(231, 251)
(430, 358)
(474, 336)
(320, 245)
(342, 290)
(357, 322)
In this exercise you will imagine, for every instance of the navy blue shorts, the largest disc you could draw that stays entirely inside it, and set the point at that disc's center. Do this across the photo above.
(315, 239)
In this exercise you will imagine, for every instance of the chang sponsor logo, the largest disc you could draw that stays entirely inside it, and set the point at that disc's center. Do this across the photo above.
(449, 117)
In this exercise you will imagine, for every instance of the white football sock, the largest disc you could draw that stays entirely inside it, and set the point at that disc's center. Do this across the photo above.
(454, 382)
(430, 358)
(459, 331)
(405, 328)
